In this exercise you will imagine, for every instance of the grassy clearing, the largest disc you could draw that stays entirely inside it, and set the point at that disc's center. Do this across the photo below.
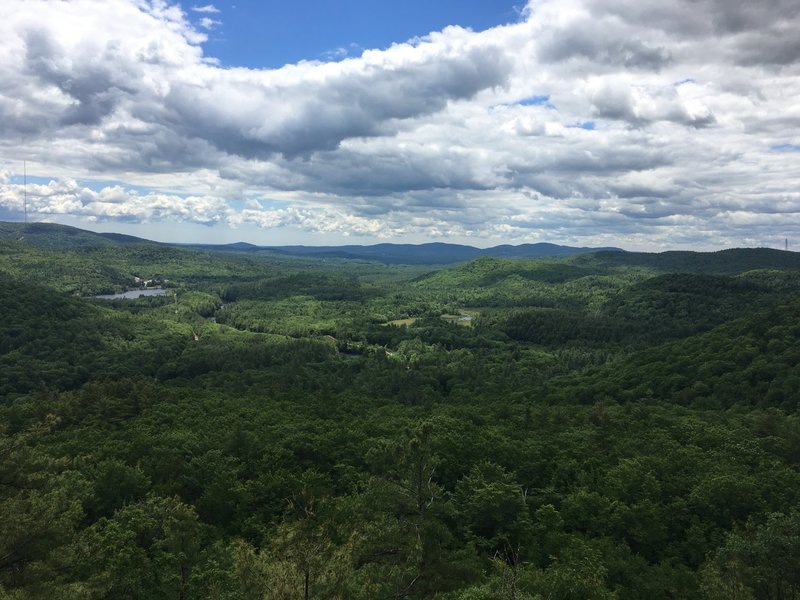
(401, 322)
(464, 317)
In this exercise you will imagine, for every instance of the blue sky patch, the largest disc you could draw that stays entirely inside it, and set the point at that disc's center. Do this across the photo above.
(19, 180)
(9, 214)
(539, 100)
(98, 184)
(93, 184)
(543, 100)
(258, 34)
(587, 125)
(266, 203)
(785, 148)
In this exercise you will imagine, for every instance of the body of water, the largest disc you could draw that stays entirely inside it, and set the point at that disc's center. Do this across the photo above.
(133, 294)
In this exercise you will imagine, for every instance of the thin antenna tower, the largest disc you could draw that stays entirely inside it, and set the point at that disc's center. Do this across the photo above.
(786, 244)
(25, 189)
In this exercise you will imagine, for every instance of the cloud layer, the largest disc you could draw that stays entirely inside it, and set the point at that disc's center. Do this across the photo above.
(637, 122)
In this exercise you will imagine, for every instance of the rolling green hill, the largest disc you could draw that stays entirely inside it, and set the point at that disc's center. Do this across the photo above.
(728, 262)
(610, 425)
(52, 236)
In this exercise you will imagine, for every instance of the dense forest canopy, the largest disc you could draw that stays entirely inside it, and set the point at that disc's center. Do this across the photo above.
(603, 425)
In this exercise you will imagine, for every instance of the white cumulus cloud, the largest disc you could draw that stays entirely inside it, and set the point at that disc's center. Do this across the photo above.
(639, 122)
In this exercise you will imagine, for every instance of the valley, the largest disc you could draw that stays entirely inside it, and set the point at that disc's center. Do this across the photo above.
(594, 425)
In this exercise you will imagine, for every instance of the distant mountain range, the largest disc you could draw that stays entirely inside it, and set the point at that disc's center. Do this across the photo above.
(53, 236)
(433, 253)
(50, 236)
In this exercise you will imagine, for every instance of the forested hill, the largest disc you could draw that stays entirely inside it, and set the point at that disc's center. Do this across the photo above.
(607, 426)
(52, 236)
(733, 260)
(62, 237)
(433, 253)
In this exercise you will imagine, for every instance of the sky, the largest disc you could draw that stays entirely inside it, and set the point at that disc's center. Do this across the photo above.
(644, 124)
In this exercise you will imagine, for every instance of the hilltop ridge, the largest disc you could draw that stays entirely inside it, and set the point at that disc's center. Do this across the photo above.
(53, 236)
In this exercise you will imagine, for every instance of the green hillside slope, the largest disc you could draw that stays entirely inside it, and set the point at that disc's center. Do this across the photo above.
(565, 428)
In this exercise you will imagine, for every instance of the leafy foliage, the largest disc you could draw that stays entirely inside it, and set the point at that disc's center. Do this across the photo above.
(617, 426)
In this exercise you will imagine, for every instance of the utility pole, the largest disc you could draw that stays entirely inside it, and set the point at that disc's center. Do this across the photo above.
(25, 189)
